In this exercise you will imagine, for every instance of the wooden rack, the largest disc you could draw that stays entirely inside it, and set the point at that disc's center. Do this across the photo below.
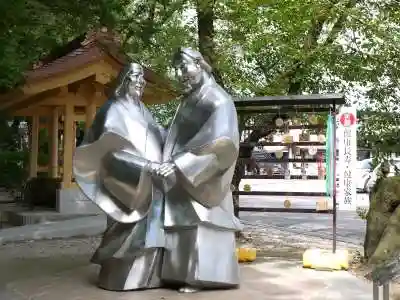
(285, 104)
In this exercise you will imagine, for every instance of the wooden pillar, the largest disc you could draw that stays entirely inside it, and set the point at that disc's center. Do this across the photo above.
(90, 114)
(34, 153)
(53, 133)
(69, 145)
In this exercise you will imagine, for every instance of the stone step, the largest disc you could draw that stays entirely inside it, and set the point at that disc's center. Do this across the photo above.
(5, 196)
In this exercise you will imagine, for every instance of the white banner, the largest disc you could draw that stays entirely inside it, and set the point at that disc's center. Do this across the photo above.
(346, 134)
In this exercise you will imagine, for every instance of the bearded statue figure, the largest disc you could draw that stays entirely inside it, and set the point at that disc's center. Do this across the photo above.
(199, 158)
(114, 167)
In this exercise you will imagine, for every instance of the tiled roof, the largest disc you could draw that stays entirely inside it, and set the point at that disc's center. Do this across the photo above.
(82, 56)
(82, 51)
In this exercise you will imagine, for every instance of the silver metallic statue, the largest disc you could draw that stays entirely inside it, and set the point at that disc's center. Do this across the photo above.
(200, 154)
(114, 167)
(170, 197)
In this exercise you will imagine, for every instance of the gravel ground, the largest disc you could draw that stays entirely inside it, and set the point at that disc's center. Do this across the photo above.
(264, 235)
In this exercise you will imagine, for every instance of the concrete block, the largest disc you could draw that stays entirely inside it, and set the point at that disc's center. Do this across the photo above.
(84, 226)
(20, 218)
(73, 201)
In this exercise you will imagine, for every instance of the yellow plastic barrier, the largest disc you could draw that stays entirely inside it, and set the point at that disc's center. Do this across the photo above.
(246, 254)
(326, 260)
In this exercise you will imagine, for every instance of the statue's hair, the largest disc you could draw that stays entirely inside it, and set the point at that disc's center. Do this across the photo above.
(123, 75)
(193, 54)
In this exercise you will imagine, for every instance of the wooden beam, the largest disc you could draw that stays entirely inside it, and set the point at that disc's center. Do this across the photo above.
(46, 111)
(86, 89)
(53, 133)
(93, 92)
(91, 110)
(34, 153)
(25, 102)
(69, 144)
(30, 111)
(314, 99)
(74, 99)
(45, 106)
(80, 110)
(63, 79)
(104, 78)
(106, 73)
(80, 118)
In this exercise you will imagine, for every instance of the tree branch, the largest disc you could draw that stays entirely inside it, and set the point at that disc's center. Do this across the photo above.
(148, 27)
(311, 44)
(338, 26)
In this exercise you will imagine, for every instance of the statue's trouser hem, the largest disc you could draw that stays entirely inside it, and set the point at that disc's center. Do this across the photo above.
(202, 256)
(141, 271)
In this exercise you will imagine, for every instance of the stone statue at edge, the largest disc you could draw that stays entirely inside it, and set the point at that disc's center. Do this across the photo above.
(168, 237)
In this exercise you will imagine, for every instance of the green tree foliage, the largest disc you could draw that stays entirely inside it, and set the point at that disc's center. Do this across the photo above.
(12, 160)
(312, 46)
(380, 132)
(164, 112)
(31, 29)
(256, 47)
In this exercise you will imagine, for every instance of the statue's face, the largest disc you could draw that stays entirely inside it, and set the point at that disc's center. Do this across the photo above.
(136, 83)
(188, 72)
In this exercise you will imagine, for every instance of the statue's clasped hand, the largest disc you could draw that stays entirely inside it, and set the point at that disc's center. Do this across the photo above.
(166, 169)
(166, 174)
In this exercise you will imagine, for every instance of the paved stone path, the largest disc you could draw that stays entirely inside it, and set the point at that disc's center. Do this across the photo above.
(275, 279)
(59, 270)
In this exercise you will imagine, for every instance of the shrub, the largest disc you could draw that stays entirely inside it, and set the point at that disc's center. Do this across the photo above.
(42, 192)
(13, 170)
(362, 212)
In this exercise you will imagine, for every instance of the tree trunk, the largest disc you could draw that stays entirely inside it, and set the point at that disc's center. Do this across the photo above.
(244, 160)
(383, 221)
(205, 25)
(205, 30)
(389, 243)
